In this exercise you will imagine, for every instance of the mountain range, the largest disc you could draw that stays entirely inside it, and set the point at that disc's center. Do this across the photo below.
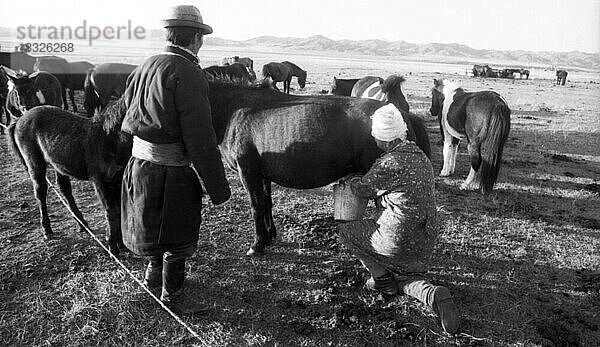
(428, 52)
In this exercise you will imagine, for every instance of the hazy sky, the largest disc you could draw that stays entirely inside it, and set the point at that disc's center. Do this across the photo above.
(537, 25)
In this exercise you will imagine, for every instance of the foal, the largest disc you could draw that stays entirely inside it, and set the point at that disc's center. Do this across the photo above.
(76, 147)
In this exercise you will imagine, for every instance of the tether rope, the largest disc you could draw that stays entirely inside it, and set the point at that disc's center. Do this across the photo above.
(89, 231)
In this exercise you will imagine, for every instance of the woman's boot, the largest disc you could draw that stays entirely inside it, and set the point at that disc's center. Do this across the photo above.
(439, 299)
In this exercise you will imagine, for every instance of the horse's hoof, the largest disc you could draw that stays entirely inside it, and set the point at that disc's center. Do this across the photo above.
(444, 174)
(252, 252)
(48, 237)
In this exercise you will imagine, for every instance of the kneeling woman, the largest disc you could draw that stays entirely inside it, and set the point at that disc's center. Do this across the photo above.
(397, 247)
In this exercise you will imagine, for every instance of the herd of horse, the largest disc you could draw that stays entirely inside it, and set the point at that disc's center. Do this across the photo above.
(487, 71)
(265, 135)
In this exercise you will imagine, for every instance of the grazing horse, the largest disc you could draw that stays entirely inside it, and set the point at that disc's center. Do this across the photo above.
(297, 72)
(483, 118)
(561, 77)
(235, 70)
(71, 75)
(76, 147)
(295, 141)
(103, 83)
(28, 91)
(342, 86)
(278, 72)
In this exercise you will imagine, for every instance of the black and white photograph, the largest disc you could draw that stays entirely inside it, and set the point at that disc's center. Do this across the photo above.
(300, 173)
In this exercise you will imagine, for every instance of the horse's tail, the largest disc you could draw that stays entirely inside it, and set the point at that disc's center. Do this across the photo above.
(13, 144)
(421, 137)
(91, 99)
(493, 145)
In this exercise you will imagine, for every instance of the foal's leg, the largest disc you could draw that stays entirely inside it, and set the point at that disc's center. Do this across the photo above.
(108, 198)
(269, 223)
(472, 181)
(37, 173)
(64, 184)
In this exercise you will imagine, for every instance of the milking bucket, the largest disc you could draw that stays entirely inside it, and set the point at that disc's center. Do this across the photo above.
(346, 205)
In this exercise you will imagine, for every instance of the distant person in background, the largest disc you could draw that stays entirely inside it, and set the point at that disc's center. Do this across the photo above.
(397, 247)
(170, 118)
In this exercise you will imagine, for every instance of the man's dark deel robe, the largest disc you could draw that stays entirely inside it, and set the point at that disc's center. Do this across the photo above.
(167, 100)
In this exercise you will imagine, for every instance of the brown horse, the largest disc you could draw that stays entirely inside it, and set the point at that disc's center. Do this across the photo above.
(103, 83)
(483, 118)
(295, 141)
(278, 72)
(71, 75)
(76, 147)
(29, 91)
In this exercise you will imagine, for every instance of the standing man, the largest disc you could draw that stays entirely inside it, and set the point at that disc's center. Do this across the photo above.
(169, 117)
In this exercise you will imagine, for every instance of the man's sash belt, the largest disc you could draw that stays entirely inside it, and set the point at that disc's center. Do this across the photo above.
(168, 154)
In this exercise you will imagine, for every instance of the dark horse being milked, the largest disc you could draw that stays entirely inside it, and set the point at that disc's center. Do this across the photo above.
(76, 147)
(483, 118)
(295, 141)
(29, 91)
(278, 72)
(103, 83)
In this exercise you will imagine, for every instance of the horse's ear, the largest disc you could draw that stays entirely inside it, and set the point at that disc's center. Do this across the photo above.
(10, 72)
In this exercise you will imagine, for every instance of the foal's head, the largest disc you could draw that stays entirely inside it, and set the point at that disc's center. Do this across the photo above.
(28, 97)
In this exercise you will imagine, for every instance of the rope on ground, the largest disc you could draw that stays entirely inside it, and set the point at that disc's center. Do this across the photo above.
(91, 233)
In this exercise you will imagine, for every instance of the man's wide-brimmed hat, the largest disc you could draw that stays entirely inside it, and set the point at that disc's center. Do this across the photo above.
(186, 16)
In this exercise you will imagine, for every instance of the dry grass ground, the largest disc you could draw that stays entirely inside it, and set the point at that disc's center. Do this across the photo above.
(522, 263)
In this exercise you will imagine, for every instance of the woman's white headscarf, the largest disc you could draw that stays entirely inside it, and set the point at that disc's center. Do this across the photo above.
(388, 124)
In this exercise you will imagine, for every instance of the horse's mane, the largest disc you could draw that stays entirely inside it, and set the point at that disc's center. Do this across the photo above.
(112, 116)
(236, 82)
(450, 86)
(392, 82)
(295, 67)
